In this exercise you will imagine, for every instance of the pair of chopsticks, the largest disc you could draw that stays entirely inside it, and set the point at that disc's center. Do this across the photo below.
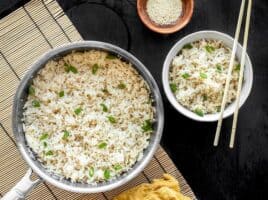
(229, 75)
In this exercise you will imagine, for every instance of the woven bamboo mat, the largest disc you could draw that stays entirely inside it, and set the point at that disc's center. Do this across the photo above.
(25, 34)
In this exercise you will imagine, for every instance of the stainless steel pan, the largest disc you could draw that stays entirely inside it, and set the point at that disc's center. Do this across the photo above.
(25, 185)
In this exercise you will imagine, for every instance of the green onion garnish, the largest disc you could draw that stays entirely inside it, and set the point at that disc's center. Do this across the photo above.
(111, 57)
(173, 87)
(107, 174)
(102, 145)
(66, 134)
(185, 75)
(209, 49)
(205, 97)
(61, 93)
(111, 119)
(43, 136)
(77, 111)
(70, 68)
(45, 144)
(203, 75)
(219, 68)
(95, 68)
(147, 126)
(121, 86)
(237, 67)
(31, 90)
(199, 112)
(91, 171)
(104, 107)
(36, 103)
(117, 167)
(187, 46)
(49, 153)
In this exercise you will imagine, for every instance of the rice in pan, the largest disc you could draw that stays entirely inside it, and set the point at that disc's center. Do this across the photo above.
(198, 74)
(88, 116)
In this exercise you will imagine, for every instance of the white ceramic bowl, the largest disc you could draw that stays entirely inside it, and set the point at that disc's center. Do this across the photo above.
(228, 41)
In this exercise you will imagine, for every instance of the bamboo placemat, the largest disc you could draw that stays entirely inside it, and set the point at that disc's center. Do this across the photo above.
(25, 34)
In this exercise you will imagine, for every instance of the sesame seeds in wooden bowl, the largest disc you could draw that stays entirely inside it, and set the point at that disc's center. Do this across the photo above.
(150, 10)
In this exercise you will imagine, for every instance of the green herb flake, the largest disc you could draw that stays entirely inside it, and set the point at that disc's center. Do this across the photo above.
(147, 126)
(36, 103)
(121, 86)
(49, 153)
(205, 97)
(117, 167)
(44, 136)
(70, 68)
(218, 108)
(199, 112)
(237, 67)
(111, 57)
(219, 68)
(61, 93)
(102, 145)
(66, 134)
(187, 46)
(91, 171)
(31, 90)
(104, 107)
(45, 144)
(173, 87)
(203, 75)
(111, 119)
(209, 49)
(107, 174)
(77, 111)
(105, 90)
(185, 75)
(95, 68)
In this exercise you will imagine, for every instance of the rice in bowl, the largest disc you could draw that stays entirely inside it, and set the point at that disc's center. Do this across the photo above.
(88, 116)
(198, 73)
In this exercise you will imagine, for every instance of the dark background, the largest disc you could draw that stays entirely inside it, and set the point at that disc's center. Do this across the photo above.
(213, 173)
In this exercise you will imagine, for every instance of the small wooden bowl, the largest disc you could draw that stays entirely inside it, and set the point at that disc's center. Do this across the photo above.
(183, 20)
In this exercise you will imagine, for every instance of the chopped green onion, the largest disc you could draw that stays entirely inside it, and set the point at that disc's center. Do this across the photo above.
(104, 107)
(49, 153)
(117, 167)
(187, 46)
(91, 171)
(121, 86)
(107, 174)
(111, 57)
(66, 134)
(61, 93)
(203, 75)
(43, 136)
(147, 126)
(95, 68)
(111, 119)
(199, 112)
(70, 68)
(209, 49)
(173, 87)
(45, 144)
(36, 103)
(31, 90)
(185, 75)
(237, 67)
(219, 68)
(205, 97)
(102, 145)
(77, 111)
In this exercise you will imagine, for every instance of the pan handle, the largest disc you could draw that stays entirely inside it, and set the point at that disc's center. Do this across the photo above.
(22, 188)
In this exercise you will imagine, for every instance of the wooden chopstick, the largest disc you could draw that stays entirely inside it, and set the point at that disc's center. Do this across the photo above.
(230, 69)
(241, 74)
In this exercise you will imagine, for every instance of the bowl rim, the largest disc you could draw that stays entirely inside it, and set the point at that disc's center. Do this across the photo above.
(206, 34)
(18, 131)
(163, 29)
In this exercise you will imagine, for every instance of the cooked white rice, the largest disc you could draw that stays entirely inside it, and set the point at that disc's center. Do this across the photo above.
(88, 116)
(198, 74)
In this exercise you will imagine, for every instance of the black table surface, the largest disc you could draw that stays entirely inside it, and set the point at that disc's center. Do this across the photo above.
(213, 173)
